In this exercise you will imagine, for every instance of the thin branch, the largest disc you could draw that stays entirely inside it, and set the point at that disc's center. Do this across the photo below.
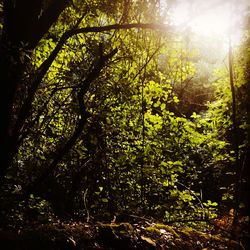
(61, 152)
(39, 75)
(98, 29)
(193, 193)
(85, 204)
(43, 69)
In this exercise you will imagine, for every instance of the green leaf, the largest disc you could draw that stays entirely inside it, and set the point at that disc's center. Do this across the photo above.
(163, 106)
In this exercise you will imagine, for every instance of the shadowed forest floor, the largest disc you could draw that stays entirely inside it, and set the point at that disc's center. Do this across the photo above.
(144, 235)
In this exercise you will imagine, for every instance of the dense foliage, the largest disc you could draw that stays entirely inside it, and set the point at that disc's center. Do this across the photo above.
(112, 112)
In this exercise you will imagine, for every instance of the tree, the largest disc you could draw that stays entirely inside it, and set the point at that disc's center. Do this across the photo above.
(25, 24)
(33, 41)
(99, 114)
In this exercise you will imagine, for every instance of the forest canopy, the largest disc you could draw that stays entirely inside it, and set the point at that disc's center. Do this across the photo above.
(124, 107)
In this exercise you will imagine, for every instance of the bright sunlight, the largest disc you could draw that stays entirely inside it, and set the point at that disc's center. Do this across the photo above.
(215, 18)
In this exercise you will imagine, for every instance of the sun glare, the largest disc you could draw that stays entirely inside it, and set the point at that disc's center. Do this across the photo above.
(206, 20)
(216, 21)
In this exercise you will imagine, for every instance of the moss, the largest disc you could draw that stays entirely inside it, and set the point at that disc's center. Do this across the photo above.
(168, 229)
(192, 233)
(185, 233)
(118, 230)
(113, 236)
(156, 228)
(119, 226)
(152, 229)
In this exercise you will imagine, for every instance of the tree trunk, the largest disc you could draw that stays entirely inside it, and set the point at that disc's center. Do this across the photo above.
(11, 73)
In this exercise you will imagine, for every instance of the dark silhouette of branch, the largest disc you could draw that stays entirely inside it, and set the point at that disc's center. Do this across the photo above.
(43, 69)
(93, 75)
(98, 29)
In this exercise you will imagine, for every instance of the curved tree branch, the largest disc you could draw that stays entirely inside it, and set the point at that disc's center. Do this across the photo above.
(93, 75)
(43, 69)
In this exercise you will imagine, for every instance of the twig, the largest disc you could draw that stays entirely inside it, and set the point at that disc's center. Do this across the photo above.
(192, 192)
(85, 204)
